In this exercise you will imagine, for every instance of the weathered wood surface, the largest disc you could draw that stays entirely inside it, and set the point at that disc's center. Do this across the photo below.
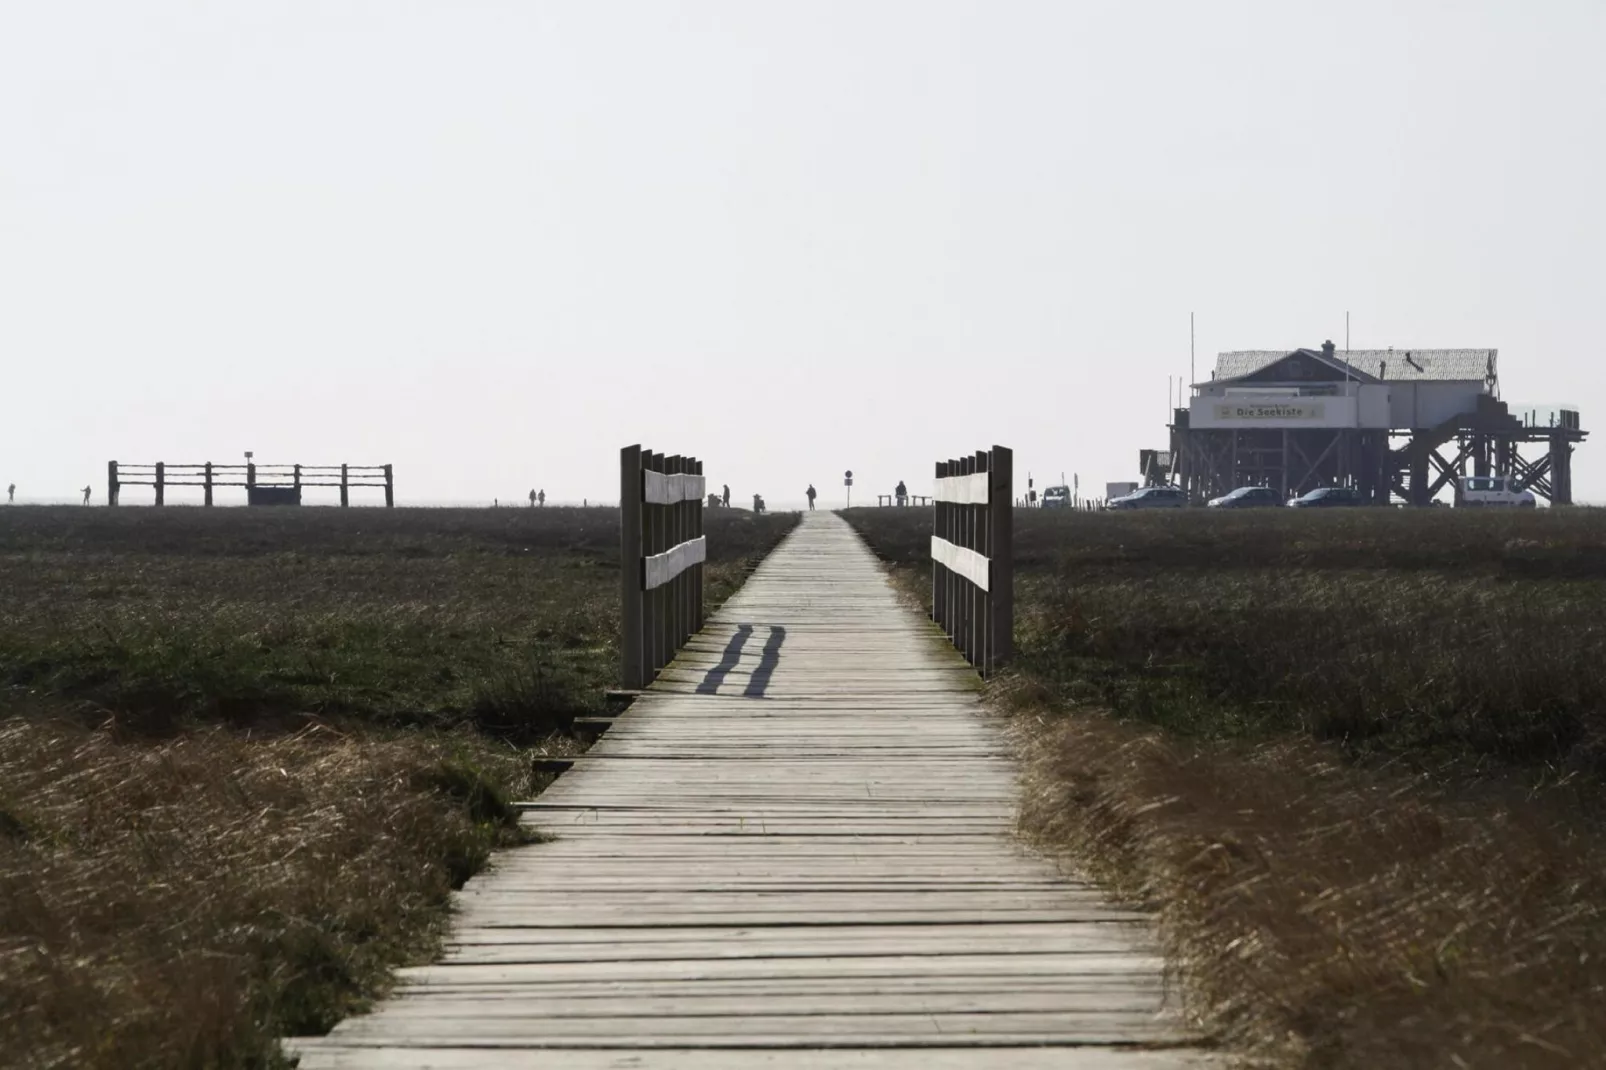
(795, 851)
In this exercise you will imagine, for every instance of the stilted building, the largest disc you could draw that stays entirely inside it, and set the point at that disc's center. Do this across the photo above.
(1396, 425)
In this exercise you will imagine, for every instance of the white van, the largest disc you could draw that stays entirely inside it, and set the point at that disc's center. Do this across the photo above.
(1494, 490)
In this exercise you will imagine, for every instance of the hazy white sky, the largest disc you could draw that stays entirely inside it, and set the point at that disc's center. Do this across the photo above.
(493, 242)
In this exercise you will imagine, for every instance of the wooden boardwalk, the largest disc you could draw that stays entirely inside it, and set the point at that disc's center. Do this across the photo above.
(795, 852)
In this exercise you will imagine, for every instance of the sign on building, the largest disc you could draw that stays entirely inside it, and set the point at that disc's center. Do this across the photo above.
(1251, 411)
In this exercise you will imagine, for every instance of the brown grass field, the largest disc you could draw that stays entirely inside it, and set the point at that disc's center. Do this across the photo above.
(1356, 762)
(245, 755)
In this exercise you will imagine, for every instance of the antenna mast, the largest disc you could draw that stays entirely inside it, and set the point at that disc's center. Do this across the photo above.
(1193, 376)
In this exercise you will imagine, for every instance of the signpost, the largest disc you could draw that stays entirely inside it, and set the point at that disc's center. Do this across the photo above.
(847, 481)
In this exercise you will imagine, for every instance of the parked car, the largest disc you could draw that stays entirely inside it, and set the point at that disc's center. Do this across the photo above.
(1151, 498)
(1247, 498)
(1494, 490)
(1326, 497)
(1056, 498)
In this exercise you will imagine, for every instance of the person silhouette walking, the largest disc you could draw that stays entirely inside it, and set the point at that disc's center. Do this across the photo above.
(86, 495)
(11, 493)
(540, 497)
(532, 498)
(903, 493)
(726, 500)
(811, 495)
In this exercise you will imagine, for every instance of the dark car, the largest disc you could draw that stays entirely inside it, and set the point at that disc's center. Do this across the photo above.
(1247, 498)
(1326, 497)
(1151, 498)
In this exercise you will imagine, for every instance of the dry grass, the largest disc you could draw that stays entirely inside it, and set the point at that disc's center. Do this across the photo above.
(1354, 763)
(179, 904)
(245, 756)
(1329, 916)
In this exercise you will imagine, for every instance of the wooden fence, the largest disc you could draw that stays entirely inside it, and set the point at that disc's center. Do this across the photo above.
(972, 563)
(662, 550)
(265, 484)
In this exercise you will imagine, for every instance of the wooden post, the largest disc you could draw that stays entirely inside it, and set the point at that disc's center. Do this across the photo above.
(671, 622)
(296, 476)
(682, 614)
(667, 515)
(250, 478)
(688, 591)
(961, 596)
(345, 486)
(208, 482)
(949, 580)
(698, 514)
(630, 648)
(390, 487)
(1001, 553)
(161, 475)
(972, 591)
(651, 536)
(939, 573)
(112, 486)
(666, 592)
(984, 546)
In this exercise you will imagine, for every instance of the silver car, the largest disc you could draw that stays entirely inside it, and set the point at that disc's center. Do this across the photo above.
(1247, 498)
(1151, 498)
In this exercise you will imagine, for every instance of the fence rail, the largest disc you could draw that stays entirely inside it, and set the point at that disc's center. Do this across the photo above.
(662, 549)
(264, 483)
(972, 556)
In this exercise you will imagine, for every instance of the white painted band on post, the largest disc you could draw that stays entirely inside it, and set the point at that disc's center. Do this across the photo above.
(963, 490)
(967, 563)
(662, 489)
(659, 569)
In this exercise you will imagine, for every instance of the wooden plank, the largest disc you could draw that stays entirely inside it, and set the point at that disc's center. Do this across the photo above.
(316, 1055)
(794, 849)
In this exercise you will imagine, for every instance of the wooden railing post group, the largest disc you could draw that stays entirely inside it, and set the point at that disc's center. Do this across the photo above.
(278, 483)
(972, 566)
(662, 548)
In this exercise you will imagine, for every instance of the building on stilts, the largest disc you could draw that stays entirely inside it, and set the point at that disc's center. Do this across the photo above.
(1397, 425)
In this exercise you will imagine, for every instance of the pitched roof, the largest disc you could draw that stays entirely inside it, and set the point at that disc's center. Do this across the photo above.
(1442, 365)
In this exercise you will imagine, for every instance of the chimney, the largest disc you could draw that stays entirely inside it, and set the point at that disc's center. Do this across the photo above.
(1327, 349)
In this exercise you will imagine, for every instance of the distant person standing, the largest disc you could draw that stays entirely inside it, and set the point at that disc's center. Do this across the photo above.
(726, 500)
(86, 495)
(811, 495)
(11, 494)
(532, 497)
(758, 505)
(902, 493)
(540, 497)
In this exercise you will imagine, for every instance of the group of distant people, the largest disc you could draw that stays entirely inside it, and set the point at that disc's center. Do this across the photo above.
(11, 494)
(758, 500)
(722, 500)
